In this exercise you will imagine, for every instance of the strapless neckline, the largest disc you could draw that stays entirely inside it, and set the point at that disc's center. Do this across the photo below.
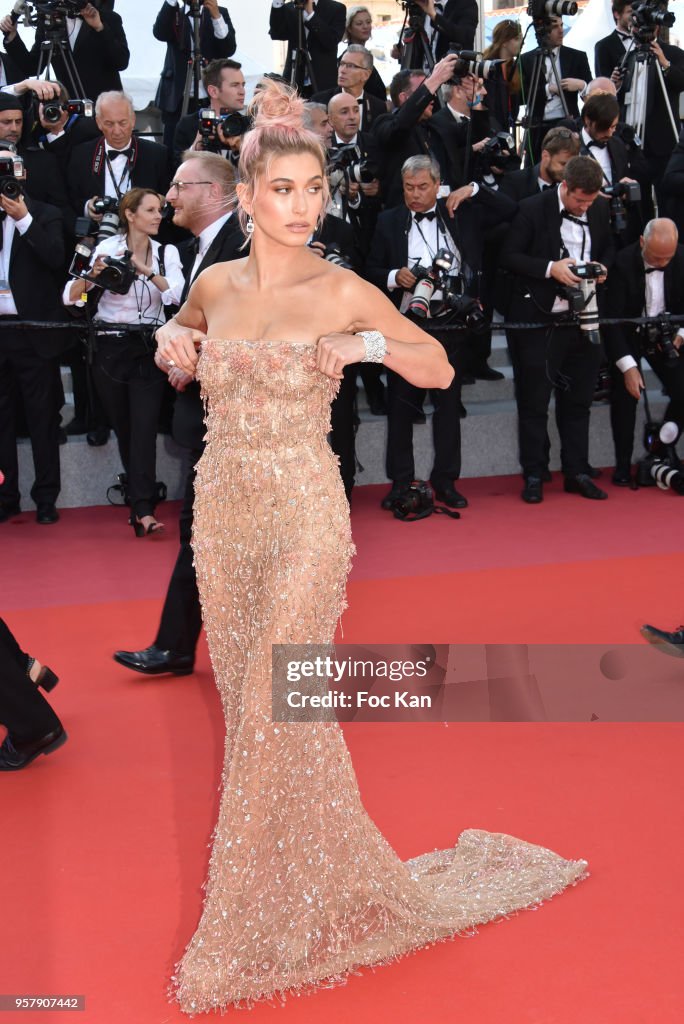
(263, 341)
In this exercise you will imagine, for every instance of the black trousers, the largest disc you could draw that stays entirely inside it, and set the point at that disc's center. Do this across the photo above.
(343, 427)
(131, 388)
(562, 361)
(38, 383)
(623, 407)
(23, 709)
(181, 619)
(87, 406)
(404, 400)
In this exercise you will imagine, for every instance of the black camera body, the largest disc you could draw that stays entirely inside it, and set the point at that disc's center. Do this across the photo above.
(416, 498)
(541, 12)
(11, 175)
(333, 254)
(470, 63)
(350, 163)
(117, 275)
(415, 15)
(63, 8)
(582, 299)
(53, 109)
(621, 194)
(646, 18)
(658, 337)
(429, 280)
(230, 122)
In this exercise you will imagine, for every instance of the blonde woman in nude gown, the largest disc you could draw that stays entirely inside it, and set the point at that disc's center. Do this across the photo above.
(302, 887)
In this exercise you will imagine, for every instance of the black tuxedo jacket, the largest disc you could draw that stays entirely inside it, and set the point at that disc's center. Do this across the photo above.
(372, 106)
(389, 248)
(45, 180)
(673, 185)
(173, 27)
(448, 138)
(571, 64)
(609, 54)
(659, 141)
(534, 241)
(522, 184)
(98, 56)
(400, 136)
(626, 296)
(376, 87)
(326, 29)
(12, 72)
(36, 276)
(148, 170)
(188, 413)
(456, 25)
(80, 130)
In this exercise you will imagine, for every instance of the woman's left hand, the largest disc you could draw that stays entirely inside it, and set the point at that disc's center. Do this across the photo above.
(335, 351)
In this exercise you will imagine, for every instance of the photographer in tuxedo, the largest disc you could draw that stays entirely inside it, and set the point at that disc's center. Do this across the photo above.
(31, 261)
(646, 280)
(224, 83)
(447, 23)
(46, 175)
(559, 146)
(202, 196)
(405, 236)
(174, 27)
(574, 74)
(459, 129)
(358, 203)
(324, 24)
(552, 233)
(610, 51)
(354, 70)
(97, 40)
(116, 161)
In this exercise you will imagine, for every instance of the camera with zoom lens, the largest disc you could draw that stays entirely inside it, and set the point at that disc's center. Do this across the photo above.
(467, 310)
(11, 176)
(414, 499)
(53, 109)
(658, 337)
(429, 279)
(333, 254)
(350, 163)
(470, 63)
(621, 194)
(110, 224)
(231, 123)
(582, 298)
(496, 152)
(415, 15)
(117, 275)
(647, 17)
(542, 11)
(661, 466)
(65, 8)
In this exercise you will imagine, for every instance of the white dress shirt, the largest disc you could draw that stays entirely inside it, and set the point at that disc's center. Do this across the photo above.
(600, 154)
(577, 241)
(654, 304)
(143, 302)
(424, 242)
(206, 237)
(8, 227)
(122, 174)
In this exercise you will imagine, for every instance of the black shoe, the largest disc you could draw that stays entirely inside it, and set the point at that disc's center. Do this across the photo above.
(450, 496)
(669, 643)
(97, 438)
(546, 477)
(584, 485)
(155, 662)
(75, 427)
(487, 373)
(622, 477)
(594, 473)
(533, 491)
(46, 513)
(395, 491)
(15, 755)
(7, 511)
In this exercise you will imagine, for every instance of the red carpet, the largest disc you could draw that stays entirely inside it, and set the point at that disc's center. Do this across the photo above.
(105, 843)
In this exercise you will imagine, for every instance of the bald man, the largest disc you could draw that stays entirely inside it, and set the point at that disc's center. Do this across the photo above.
(356, 202)
(646, 279)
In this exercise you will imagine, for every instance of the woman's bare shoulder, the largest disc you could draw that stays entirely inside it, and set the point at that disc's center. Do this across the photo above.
(218, 275)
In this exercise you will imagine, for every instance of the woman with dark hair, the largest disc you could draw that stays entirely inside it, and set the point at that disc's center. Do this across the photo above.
(359, 29)
(302, 886)
(128, 383)
(503, 86)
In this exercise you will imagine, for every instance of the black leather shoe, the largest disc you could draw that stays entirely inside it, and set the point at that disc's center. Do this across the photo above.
(155, 662)
(584, 485)
(669, 643)
(593, 472)
(450, 496)
(75, 428)
(394, 492)
(622, 478)
(46, 513)
(487, 373)
(97, 438)
(533, 491)
(546, 477)
(15, 755)
(7, 511)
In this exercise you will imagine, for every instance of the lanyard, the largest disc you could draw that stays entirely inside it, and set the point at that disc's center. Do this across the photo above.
(117, 184)
(440, 231)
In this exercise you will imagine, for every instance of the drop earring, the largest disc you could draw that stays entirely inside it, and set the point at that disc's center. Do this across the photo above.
(249, 227)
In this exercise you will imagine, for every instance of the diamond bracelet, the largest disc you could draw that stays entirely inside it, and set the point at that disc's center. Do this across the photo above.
(376, 346)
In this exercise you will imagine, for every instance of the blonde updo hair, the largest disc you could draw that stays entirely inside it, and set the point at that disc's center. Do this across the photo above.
(278, 130)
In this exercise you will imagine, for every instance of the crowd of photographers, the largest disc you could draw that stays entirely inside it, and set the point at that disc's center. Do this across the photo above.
(440, 196)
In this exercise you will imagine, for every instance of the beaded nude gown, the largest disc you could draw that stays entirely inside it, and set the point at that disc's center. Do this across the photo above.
(302, 886)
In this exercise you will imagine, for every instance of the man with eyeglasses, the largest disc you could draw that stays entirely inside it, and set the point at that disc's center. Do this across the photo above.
(354, 70)
(202, 196)
(117, 160)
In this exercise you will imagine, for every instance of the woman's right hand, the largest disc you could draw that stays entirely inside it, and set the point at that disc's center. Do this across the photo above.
(177, 346)
(97, 267)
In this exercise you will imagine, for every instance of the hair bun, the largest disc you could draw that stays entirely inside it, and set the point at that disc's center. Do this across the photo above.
(277, 106)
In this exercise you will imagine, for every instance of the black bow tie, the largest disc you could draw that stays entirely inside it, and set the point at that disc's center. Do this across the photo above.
(112, 153)
(654, 270)
(575, 220)
(544, 186)
(623, 35)
(430, 215)
(195, 245)
(597, 144)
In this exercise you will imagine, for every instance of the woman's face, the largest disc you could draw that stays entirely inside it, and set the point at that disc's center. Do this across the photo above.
(360, 28)
(511, 48)
(147, 217)
(289, 199)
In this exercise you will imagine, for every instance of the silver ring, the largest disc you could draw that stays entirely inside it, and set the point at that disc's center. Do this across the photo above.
(170, 362)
